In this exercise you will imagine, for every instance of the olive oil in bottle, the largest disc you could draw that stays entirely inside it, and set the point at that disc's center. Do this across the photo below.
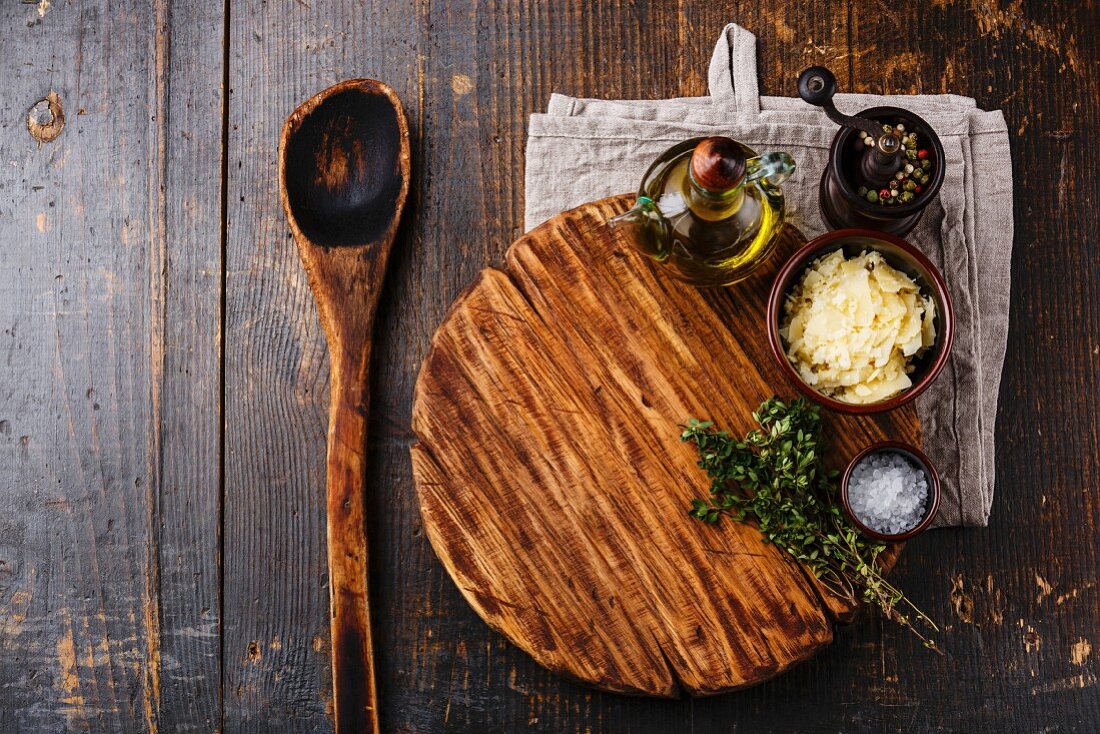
(710, 210)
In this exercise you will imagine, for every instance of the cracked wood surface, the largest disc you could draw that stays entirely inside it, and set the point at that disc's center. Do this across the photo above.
(553, 484)
(162, 554)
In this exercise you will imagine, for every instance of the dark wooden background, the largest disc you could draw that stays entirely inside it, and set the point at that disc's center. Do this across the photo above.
(163, 375)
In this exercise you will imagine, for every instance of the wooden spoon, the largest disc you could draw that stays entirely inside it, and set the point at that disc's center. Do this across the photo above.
(344, 176)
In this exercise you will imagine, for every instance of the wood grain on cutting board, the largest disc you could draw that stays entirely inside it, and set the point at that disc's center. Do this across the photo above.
(554, 486)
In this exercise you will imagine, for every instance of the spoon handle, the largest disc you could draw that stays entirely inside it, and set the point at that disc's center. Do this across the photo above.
(354, 694)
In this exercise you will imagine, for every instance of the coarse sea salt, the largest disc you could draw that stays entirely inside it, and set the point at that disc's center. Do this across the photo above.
(888, 493)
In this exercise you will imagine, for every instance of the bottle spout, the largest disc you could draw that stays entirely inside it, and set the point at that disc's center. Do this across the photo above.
(645, 228)
(770, 168)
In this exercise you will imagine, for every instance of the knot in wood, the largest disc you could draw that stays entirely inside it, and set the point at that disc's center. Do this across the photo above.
(46, 119)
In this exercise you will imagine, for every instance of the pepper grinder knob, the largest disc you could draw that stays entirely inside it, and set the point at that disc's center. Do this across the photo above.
(817, 85)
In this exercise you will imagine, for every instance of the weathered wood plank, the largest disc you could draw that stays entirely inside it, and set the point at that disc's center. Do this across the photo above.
(189, 263)
(79, 444)
(485, 68)
(276, 624)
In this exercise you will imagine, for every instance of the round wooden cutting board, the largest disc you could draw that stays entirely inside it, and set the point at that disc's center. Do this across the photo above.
(554, 486)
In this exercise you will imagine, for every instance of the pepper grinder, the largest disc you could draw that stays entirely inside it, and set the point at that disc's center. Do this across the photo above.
(885, 163)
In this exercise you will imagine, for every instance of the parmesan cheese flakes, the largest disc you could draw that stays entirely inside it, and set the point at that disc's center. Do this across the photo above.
(853, 327)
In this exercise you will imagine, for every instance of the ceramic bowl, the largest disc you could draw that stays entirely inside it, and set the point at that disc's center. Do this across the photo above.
(916, 457)
(899, 254)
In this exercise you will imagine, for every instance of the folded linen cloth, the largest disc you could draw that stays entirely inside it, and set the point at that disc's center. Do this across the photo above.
(585, 149)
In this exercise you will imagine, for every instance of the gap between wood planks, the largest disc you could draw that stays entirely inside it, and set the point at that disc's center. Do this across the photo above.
(224, 223)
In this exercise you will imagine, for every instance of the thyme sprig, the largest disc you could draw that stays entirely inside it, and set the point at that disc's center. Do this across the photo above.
(775, 478)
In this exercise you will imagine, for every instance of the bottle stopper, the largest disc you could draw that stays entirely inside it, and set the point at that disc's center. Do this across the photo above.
(717, 164)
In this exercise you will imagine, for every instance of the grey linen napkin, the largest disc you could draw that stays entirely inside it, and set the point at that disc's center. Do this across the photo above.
(585, 149)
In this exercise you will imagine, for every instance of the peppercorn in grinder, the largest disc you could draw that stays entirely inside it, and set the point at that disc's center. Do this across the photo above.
(885, 163)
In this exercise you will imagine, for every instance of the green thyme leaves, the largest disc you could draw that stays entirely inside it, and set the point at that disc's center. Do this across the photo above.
(774, 478)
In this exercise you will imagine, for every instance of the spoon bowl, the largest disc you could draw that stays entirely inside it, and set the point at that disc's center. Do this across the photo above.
(344, 177)
(343, 172)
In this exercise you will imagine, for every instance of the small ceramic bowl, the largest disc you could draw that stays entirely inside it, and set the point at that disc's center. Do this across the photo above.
(917, 458)
(899, 254)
